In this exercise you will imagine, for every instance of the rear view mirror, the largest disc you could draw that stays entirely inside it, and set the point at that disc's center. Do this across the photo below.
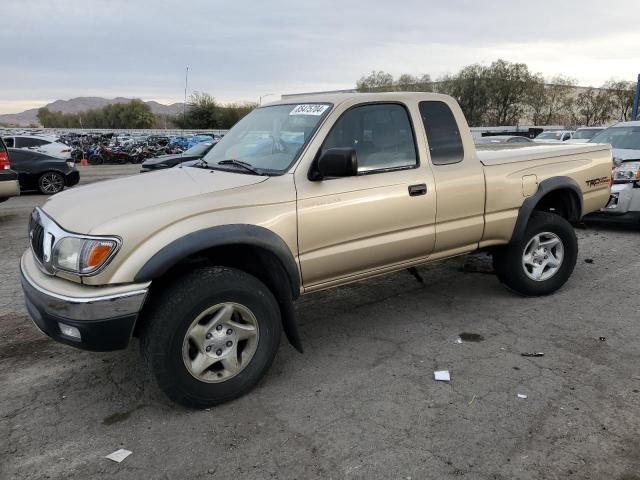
(335, 162)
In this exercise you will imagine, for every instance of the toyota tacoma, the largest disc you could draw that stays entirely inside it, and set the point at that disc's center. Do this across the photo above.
(204, 263)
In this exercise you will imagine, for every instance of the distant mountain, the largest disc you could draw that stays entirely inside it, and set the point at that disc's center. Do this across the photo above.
(81, 104)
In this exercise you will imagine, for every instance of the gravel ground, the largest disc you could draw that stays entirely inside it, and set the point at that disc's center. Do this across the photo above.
(361, 402)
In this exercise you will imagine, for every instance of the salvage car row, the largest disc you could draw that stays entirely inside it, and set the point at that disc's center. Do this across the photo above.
(24, 169)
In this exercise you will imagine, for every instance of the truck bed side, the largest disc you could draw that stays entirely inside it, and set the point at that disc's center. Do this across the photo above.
(514, 175)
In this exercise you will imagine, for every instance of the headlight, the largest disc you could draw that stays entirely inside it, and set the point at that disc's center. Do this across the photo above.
(627, 172)
(82, 255)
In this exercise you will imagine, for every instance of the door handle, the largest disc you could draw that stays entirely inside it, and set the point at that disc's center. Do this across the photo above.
(419, 189)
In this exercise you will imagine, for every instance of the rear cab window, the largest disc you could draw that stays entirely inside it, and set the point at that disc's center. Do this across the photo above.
(443, 134)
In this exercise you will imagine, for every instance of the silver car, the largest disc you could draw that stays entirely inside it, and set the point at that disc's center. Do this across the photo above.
(624, 138)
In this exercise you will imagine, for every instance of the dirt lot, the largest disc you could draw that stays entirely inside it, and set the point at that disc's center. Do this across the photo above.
(361, 402)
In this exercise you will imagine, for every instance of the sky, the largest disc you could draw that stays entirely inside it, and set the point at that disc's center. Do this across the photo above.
(240, 50)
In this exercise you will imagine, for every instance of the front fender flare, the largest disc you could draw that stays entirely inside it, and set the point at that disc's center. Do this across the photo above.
(237, 234)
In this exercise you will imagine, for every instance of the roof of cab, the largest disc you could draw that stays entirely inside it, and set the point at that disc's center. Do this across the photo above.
(338, 98)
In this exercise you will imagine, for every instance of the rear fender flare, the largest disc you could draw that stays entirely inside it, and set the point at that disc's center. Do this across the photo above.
(544, 188)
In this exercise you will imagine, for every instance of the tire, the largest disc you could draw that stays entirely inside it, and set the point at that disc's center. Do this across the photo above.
(50, 183)
(95, 160)
(518, 271)
(173, 313)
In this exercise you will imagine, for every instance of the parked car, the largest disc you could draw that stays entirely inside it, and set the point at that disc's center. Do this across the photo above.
(42, 172)
(204, 263)
(554, 136)
(9, 186)
(584, 134)
(624, 138)
(166, 161)
(509, 139)
(44, 144)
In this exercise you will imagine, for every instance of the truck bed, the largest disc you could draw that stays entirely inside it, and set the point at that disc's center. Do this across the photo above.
(499, 156)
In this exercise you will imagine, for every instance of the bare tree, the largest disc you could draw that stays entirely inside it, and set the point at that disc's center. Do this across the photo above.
(378, 81)
(622, 98)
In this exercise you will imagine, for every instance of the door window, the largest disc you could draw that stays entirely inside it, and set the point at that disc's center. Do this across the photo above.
(9, 142)
(27, 142)
(381, 135)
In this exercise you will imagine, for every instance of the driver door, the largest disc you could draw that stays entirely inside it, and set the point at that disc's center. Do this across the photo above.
(381, 219)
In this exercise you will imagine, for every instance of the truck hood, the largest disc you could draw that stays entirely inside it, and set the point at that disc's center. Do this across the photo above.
(83, 208)
(626, 154)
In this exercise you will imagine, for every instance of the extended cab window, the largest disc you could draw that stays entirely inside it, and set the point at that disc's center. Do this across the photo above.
(443, 134)
(381, 135)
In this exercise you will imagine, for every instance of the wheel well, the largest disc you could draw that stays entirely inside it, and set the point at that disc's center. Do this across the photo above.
(259, 262)
(563, 202)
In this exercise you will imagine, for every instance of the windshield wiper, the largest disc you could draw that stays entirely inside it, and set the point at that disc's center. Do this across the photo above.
(239, 163)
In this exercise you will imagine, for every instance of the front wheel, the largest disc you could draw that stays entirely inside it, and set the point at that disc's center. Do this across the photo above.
(542, 260)
(211, 336)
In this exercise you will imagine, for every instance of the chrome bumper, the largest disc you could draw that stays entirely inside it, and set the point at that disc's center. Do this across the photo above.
(90, 307)
(103, 317)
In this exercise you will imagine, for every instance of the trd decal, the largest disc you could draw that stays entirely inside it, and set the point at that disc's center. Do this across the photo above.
(597, 181)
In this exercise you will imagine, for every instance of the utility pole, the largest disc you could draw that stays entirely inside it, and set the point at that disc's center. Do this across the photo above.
(636, 99)
(262, 96)
(184, 105)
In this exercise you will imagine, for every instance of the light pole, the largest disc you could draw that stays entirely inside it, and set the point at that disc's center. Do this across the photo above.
(265, 95)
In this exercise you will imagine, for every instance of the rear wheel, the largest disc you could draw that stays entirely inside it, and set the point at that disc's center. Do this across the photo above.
(211, 336)
(50, 183)
(542, 260)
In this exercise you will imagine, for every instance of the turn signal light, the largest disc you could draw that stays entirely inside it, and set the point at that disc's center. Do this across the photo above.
(98, 253)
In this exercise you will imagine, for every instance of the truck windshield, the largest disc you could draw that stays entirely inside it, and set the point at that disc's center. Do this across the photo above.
(269, 139)
(620, 137)
(550, 136)
(585, 133)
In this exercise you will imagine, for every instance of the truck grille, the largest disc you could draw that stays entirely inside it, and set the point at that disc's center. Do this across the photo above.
(37, 238)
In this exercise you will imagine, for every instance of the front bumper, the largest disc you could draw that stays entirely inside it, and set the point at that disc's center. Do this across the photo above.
(9, 186)
(103, 316)
(72, 178)
(625, 198)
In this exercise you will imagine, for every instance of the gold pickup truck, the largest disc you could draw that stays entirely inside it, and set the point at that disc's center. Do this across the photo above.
(204, 263)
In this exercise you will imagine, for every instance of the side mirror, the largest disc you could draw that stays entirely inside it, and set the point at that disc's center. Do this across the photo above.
(335, 162)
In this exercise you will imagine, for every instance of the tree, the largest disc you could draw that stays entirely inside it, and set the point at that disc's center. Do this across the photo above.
(509, 84)
(622, 94)
(202, 112)
(377, 81)
(469, 87)
(135, 114)
(230, 114)
(411, 83)
(550, 103)
(593, 106)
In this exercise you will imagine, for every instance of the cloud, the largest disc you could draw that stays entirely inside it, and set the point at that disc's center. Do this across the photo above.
(240, 50)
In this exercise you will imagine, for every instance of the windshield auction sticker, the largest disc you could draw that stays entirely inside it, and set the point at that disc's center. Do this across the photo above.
(309, 109)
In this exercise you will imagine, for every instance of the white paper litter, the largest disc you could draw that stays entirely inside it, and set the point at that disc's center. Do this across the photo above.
(458, 340)
(119, 455)
(522, 395)
(442, 375)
